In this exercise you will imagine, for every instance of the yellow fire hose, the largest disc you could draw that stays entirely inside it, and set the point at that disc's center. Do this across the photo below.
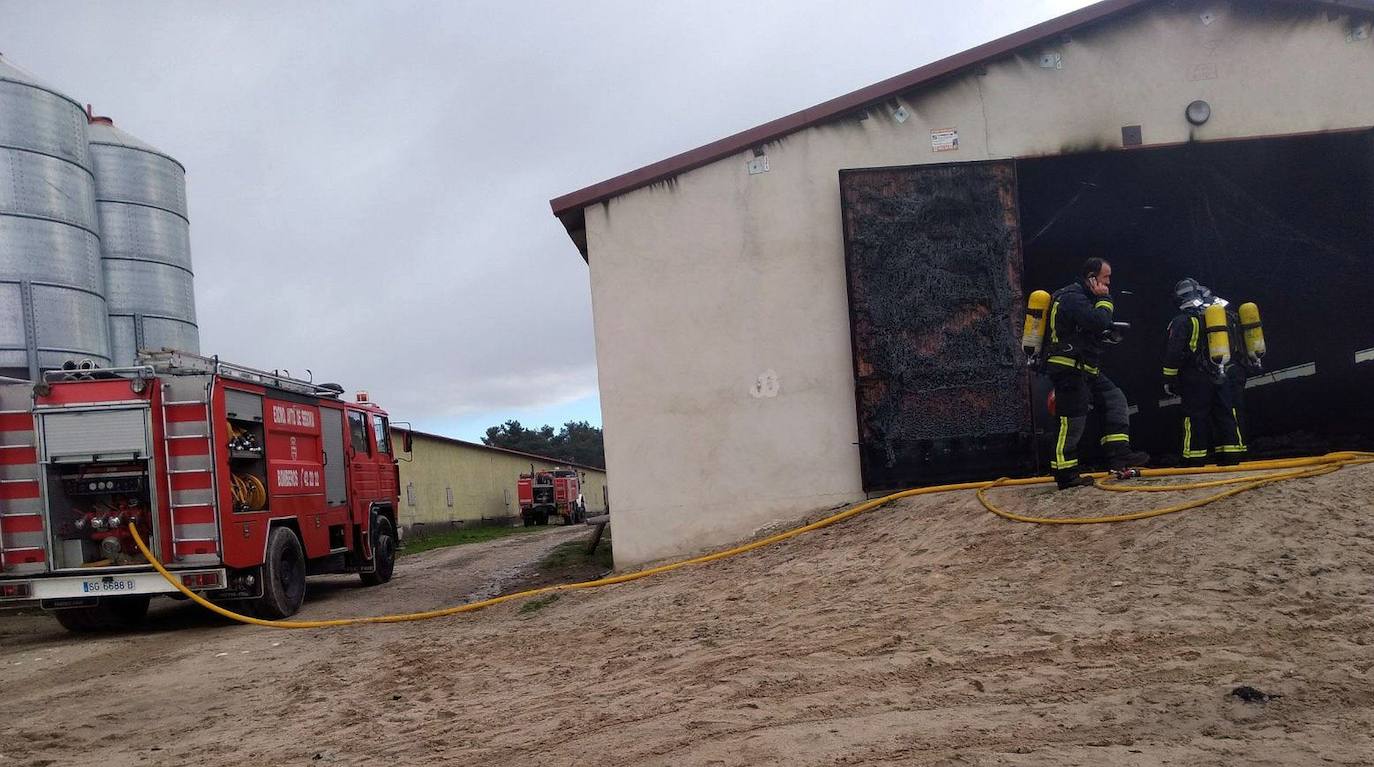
(1293, 468)
(1243, 484)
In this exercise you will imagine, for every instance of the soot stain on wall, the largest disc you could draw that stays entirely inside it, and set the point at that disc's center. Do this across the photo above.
(934, 281)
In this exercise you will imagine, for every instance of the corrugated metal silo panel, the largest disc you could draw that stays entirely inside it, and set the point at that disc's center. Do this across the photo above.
(68, 322)
(37, 250)
(144, 287)
(127, 170)
(43, 122)
(46, 187)
(144, 234)
(163, 333)
(14, 353)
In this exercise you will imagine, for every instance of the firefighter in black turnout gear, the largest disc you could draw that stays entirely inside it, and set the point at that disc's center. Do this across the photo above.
(1080, 328)
(1210, 393)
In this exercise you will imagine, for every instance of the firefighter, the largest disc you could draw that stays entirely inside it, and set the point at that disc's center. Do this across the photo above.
(1079, 330)
(1209, 391)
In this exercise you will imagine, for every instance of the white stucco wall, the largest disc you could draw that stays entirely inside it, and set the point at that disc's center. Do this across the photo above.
(706, 286)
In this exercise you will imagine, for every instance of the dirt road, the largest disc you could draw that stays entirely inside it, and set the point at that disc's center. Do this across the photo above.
(929, 632)
(191, 677)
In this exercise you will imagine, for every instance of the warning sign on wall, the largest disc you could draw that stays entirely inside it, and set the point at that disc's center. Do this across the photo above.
(944, 140)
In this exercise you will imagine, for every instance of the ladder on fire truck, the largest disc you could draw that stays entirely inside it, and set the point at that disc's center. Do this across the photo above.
(184, 363)
(22, 528)
(189, 453)
(188, 389)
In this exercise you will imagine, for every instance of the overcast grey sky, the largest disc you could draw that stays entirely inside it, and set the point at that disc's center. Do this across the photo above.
(369, 181)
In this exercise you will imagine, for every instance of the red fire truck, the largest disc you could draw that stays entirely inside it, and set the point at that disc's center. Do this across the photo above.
(241, 481)
(548, 493)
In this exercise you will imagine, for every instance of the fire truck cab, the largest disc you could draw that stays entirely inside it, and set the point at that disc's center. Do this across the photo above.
(241, 482)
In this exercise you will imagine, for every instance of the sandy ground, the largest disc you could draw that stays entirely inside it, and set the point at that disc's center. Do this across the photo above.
(928, 632)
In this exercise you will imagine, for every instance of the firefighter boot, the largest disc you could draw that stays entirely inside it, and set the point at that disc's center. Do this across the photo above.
(1121, 456)
(1071, 479)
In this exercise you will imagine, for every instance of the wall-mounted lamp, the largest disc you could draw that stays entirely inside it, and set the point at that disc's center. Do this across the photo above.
(1198, 112)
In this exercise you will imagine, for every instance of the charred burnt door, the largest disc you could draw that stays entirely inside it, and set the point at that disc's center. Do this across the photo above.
(933, 258)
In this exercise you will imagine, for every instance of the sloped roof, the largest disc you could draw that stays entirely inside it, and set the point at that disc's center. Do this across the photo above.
(568, 208)
(493, 448)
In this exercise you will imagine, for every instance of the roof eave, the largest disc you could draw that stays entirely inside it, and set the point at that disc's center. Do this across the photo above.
(569, 207)
(574, 202)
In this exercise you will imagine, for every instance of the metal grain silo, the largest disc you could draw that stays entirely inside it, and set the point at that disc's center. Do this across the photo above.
(52, 300)
(145, 242)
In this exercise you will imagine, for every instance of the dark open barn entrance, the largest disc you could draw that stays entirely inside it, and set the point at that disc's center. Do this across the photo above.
(940, 259)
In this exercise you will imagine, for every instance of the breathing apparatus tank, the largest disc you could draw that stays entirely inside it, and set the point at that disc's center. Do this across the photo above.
(1218, 337)
(1253, 330)
(1033, 331)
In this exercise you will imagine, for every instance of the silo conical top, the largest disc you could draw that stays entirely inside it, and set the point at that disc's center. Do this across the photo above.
(102, 130)
(10, 72)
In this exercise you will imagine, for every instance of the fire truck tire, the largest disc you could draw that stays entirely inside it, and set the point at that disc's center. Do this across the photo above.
(383, 551)
(283, 576)
(111, 614)
(543, 518)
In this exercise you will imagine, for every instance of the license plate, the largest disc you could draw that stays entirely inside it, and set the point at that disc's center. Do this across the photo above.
(107, 586)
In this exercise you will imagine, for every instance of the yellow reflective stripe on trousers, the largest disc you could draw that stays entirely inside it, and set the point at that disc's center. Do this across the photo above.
(1060, 462)
(1188, 451)
(1116, 438)
(1240, 439)
(1170, 371)
(1070, 362)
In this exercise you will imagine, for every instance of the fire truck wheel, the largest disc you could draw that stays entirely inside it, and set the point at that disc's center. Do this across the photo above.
(384, 549)
(283, 577)
(111, 614)
(543, 518)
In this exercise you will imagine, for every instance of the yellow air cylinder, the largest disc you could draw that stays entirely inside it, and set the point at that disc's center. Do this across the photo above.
(1254, 330)
(1033, 331)
(1218, 338)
